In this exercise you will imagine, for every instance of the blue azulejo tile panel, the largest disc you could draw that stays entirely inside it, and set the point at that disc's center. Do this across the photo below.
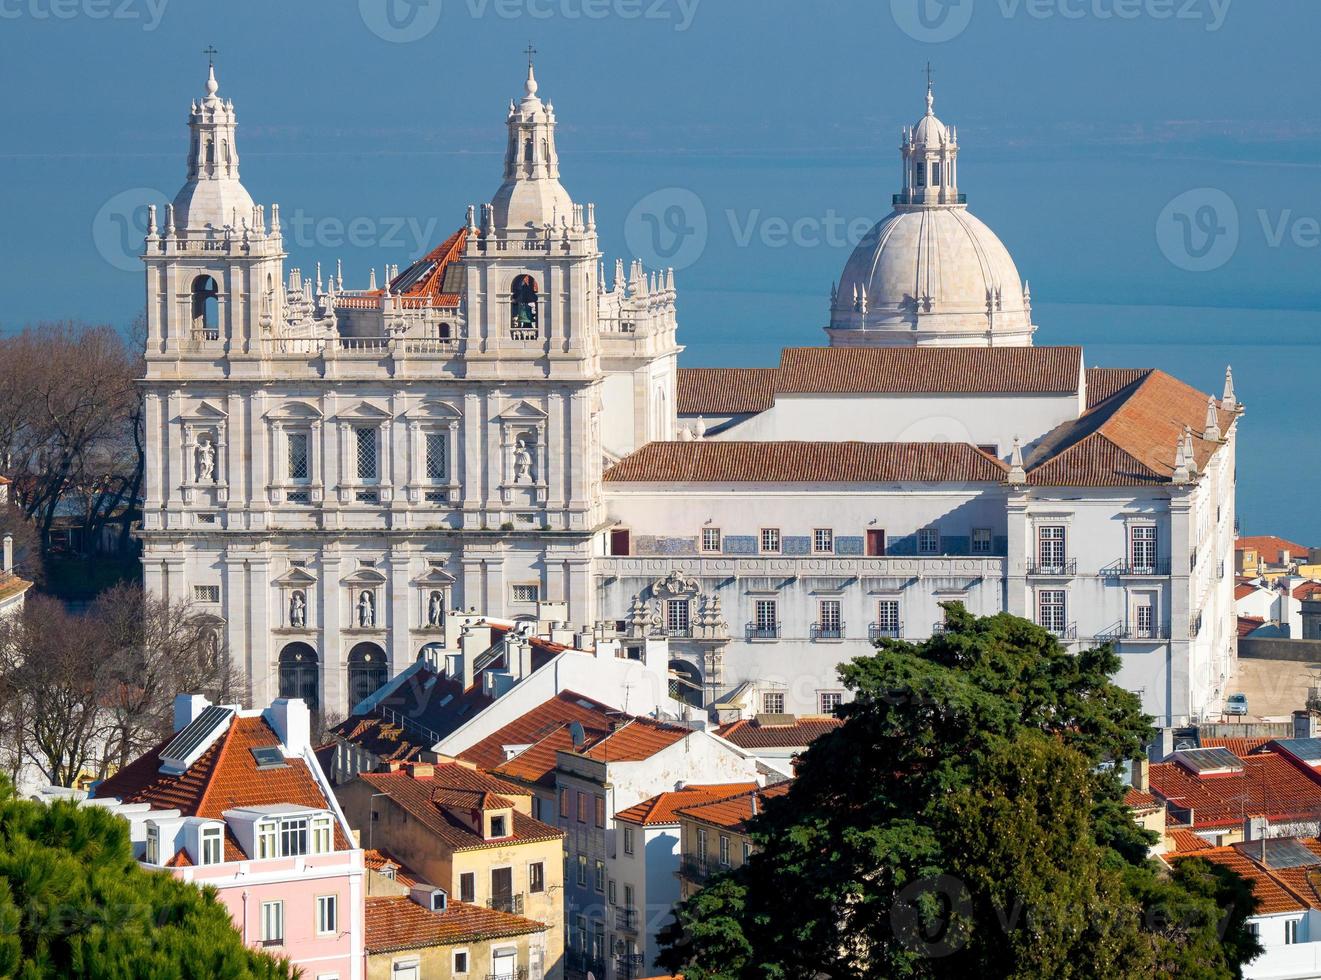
(740, 544)
(676, 546)
(905, 544)
(848, 546)
(956, 545)
(644, 544)
(794, 545)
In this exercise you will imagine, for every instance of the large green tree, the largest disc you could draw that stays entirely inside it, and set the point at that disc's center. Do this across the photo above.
(74, 903)
(965, 820)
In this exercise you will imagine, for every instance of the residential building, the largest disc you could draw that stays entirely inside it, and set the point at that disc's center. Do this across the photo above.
(470, 834)
(642, 875)
(12, 587)
(503, 423)
(776, 740)
(1268, 556)
(1285, 874)
(714, 835)
(236, 801)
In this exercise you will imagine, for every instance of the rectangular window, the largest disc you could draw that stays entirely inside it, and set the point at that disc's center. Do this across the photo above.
(928, 541)
(920, 172)
(293, 837)
(724, 851)
(701, 846)
(1143, 547)
(212, 852)
(611, 895)
(887, 616)
(600, 812)
(1291, 931)
(1052, 613)
(823, 541)
(468, 887)
(600, 876)
(770, 541)
(628, 840)
(1050, 546)
(322, 837)
(747, 851)
(711, 539)
(1144, 615)
(266, 840)
(829, 617)
(981, 541)
(766, 618)
(498, 828)
(299, 463)
(564, 803)
(327, 914)
(582, 870)
(676, 617)
(460, 961)
(526, 593)
(536, 877)
(206, 593)
(935, 173)
(365, 437)
(153, 854)
(828, 701)
(582, 807)
(772, 703)
(437, 452)
(272, 923)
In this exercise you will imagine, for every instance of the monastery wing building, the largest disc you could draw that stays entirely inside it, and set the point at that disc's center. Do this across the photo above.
(502, 426)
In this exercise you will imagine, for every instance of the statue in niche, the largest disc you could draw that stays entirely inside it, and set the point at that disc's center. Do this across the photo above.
(297, 611)
(206, 461)
(522, 462)
(435, 609)
(366, 610)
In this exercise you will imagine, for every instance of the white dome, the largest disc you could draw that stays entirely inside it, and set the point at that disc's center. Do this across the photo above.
(212, 203)
(931, 276)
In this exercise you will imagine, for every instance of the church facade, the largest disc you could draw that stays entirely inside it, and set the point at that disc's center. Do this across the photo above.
(503, 425)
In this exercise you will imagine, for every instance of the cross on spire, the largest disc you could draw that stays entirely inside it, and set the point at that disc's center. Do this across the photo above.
(210, 52)
(531, 53)
(929, 72)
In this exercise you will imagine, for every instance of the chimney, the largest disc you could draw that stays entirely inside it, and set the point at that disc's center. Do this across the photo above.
(1163, 745)
(1141, 769)
(1255, 828)
(9, 553)
(292, 722)
(472, 644)
(186, 706)
(420, 770)
(1304, 725)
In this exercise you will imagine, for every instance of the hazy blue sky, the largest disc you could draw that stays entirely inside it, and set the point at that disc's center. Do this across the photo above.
(1084, 125)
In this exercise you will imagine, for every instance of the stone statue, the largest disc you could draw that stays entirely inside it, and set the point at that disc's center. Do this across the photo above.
(522, 462)
(206, 462)
(435, 610)
(297, 611)
(366, 610)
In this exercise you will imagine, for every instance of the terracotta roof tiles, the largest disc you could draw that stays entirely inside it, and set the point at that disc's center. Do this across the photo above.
(1270, 548)
(722, 461)
(930, 370)
(1269, 785)
(724, 391)
(660, 809)
(1105, 382)
(752, 734)
(398, 923)
(734, 812)
(533, 726)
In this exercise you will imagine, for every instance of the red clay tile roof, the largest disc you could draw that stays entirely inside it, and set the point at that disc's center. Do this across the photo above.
(1241, 746)
(427, 276)
(398, 923)
(1129, 439)
(380, 860)
(1269, 786)
(418, 798)
(724, 391)
(720, 461)
(533, 726)
(1104, 382)
(751, 734)
(1269, 547)
(1185, 841)
(1248, 624)
(734, 812)
(1242, 590)
(1307, 590)
(635, 740)
(660, 809)
(1278, 890)
(1141, 801)
(930, 370)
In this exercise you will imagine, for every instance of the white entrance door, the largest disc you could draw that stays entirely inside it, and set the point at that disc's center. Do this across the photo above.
(503, 961)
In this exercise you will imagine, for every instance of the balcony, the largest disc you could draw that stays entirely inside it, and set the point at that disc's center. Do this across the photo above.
(829, 631)
(762, 632)
(580, 963)
(520, 973)
(694, 870)
(511, 904)
(1064, 569)
(1124, 633)
(1069, 632)
(626, 920)
(877, 631)
(679, 632)
(628, 966)
(1155, 569)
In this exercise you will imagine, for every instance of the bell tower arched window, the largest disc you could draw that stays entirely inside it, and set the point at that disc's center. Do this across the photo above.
(523, 309)
(206, 322)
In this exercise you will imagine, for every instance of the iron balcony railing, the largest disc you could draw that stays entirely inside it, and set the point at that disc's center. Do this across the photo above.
(1069, 632)
(629, 966)
(877, 631)
(1053, 569)
(512, 904)
(830, 631)
(694, 870)
(626, 920)
(1120, 631)
(1154, 568)
(520, 973)
(763, 631)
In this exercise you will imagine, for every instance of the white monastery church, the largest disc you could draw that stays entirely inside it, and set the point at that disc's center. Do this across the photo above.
(503, 426)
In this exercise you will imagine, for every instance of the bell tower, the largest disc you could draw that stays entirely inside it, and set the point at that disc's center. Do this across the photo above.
(215, 265)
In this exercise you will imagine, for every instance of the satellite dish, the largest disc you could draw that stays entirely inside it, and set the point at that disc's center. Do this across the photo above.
(577, 734)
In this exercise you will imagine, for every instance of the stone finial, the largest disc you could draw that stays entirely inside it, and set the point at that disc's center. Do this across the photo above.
(371, 281)
(1017, 472)
(1227, 400)
(1181, 472)
(1211, 432)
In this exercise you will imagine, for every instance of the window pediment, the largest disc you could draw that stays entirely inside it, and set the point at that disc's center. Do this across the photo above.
(430, 411)
(434, 577)
(364, 411)
(364, 576)
(522, 411)
(296, 578)
(204, 413)
(293, 412)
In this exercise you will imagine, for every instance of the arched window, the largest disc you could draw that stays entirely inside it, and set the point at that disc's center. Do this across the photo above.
(444, 331)
(206, 322)
(686, 683)
(367, 672)
(300, 674)
(523, 309)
